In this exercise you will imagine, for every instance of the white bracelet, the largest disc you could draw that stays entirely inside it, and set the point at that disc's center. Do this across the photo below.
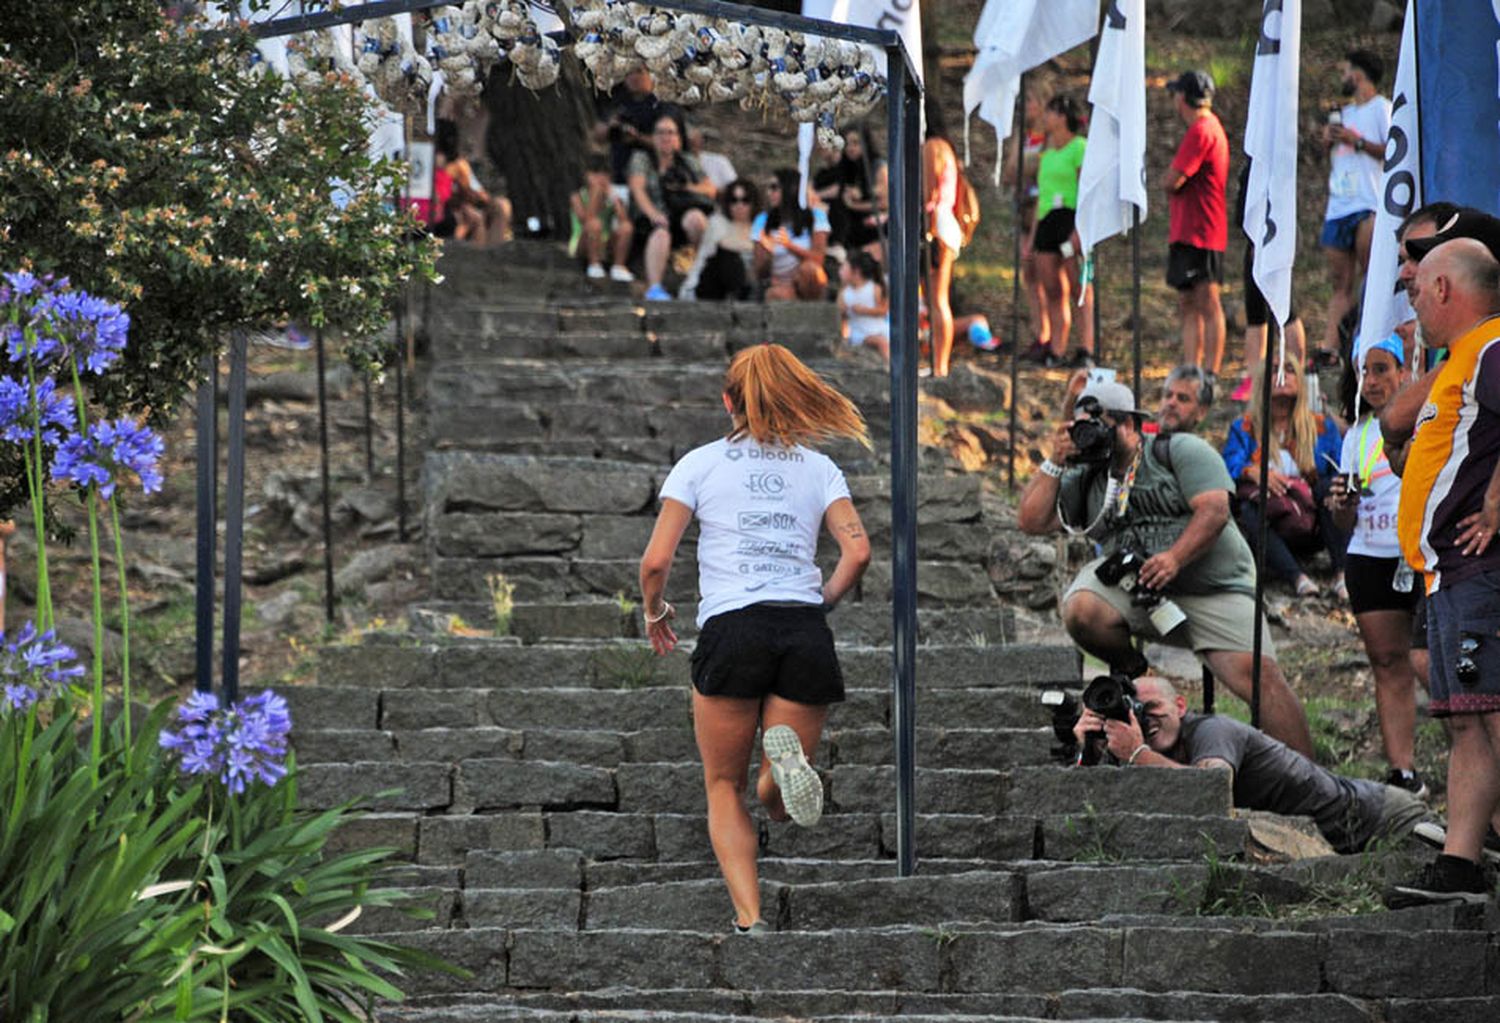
(1138, 751)
(666, 609)
(1051, 468)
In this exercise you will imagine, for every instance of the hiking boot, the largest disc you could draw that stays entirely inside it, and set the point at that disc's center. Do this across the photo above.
(1447, 880)
(1434, 834)
(801, 788)
(1411, 781)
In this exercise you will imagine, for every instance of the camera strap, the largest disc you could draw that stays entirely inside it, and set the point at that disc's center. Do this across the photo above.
(1111, 498)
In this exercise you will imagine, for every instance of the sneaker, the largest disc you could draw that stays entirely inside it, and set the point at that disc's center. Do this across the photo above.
(595, 272)
(755, 930)
(1447, 880)
(981, 337)
(1080, 359)
(801, 788)
(1242, 389)
(620, 275)
(1038, 353)
(656, 293)
(1412, 782)
(1434, 834)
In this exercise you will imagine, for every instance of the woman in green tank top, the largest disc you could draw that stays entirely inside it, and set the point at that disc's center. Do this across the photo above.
(1053, 243)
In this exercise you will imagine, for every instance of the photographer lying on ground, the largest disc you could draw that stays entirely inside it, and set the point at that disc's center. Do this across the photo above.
(1170, 570)
(1159, 731)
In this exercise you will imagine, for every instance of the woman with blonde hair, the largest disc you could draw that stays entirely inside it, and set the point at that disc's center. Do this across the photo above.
(1304, 462)
(764, 656)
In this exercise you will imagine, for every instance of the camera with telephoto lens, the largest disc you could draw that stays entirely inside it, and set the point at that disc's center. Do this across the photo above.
(1110, 696)
(1093, 437)
(1122, 570)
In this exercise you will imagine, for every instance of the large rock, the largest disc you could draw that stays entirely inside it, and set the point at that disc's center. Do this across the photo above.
(465, 481)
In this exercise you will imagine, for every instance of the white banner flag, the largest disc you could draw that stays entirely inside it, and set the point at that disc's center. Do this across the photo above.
(1401, 192)
(883, 14)
(1113, 179)
(1271, 143)
(1014, 36)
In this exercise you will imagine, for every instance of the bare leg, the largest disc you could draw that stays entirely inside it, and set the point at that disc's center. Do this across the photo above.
(658, 248)
(940, 310)
(880, 344)
(1387, 637)
(1049, 268)
(725, 730)
(1341, 274)
(1473, 782)
(1192, 329)
(807, 721)
(1211, 315)
(1036, 300)
(1281, 712)
(620, 239)
(1097, 627)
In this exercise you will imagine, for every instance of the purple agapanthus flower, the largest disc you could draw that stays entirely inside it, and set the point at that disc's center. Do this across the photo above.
(17, 419)
(243, 744)
(22, 283)
(100, 456)
(35, 666)
(89, 330)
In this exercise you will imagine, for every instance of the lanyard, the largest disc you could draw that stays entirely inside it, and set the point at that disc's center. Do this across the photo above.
(1370, 455)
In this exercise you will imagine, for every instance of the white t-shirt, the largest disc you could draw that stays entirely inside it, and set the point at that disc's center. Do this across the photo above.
(783, 263)
(759, 509)
(863, 325)
(1374, 534)
(1354, 175)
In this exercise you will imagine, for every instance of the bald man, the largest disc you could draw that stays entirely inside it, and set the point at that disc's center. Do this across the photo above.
(1266, 774)
(1447, 521)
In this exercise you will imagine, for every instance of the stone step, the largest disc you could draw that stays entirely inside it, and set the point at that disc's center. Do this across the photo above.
(1225, 959)
(853, 624)
(394, 661)
(321, 708)
(1096, 1004)
(992, 749)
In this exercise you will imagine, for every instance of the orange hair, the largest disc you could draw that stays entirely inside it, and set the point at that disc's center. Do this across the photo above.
(776, 399)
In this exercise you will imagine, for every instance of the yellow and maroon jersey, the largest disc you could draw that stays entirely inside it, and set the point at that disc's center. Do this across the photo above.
(1451, 458)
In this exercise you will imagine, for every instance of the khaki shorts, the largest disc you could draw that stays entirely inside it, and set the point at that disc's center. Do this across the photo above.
(1215, 621)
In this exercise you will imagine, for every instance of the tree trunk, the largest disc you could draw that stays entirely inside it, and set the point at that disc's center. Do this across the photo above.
(538, 141)
(932, 68)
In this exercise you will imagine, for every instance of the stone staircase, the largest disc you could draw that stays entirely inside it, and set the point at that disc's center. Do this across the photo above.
(543, 790)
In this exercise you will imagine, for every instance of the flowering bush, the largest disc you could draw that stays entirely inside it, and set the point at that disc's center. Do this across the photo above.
(169, 874)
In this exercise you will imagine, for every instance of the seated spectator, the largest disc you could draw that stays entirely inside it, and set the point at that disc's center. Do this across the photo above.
(790, 243)
(863, 304)
(630, 121)
(1265, 774)
(851, 186)
(670, 197)
(1186, 398)
(600, 223)
(1305, 460)
(718, 167)
(478, 217)
(722, 268)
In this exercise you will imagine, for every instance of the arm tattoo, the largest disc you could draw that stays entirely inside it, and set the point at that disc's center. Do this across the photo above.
(853, 530)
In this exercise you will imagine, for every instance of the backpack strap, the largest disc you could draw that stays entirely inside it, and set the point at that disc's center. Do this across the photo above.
(1161, 450)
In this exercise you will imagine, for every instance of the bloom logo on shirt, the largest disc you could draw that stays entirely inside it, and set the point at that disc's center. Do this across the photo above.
(762, 454)
(768, 484)
(779, 521)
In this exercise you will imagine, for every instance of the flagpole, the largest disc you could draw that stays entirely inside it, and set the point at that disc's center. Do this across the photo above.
(1015, 290)
(1263, 528)
(1135, 298)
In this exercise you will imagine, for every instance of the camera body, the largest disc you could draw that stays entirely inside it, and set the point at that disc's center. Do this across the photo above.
(1093, 437)
(1121, 570)
(1110, 696)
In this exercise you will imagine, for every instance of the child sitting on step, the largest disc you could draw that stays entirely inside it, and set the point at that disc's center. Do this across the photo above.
(863, 304)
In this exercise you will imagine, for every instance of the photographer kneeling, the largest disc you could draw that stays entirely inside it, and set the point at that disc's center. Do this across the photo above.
(1157, 730)
(1170, 570)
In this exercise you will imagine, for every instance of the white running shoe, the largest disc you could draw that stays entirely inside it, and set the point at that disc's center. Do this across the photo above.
(620, 275)
(595, 272)
(801, 788)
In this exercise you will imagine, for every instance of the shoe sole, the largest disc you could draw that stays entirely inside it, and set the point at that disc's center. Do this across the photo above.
(1434, 834)
(1405, 898)
(801, 788)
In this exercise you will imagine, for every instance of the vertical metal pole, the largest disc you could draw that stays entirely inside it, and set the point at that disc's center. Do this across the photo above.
(234, 518)
(369, 433)
(323, 465)
(207, 425)
(905, 270)
(1098, 332)
(404, 316)
(1135, 298)
(1015, 288)
(1264, 445)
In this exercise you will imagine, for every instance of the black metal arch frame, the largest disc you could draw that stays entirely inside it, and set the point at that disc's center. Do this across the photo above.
(903, 116)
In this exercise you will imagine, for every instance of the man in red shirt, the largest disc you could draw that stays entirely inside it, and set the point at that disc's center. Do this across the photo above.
(1195, 185)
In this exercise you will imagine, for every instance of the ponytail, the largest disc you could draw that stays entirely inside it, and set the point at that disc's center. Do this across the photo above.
(778, 400)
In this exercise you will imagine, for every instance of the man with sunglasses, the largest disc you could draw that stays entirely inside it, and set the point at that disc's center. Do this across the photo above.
(1167, 500)
(1449, 423)
(1265, 775)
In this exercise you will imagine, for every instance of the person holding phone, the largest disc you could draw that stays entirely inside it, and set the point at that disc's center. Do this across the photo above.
(1053, 243)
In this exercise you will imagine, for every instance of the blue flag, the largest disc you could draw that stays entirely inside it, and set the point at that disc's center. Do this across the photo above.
(1459, 69)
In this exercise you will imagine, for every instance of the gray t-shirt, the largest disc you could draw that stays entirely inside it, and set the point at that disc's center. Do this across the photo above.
(1269, 776)
(1158, 511)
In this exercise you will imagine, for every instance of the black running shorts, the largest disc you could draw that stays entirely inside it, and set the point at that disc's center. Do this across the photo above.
(767, 649)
